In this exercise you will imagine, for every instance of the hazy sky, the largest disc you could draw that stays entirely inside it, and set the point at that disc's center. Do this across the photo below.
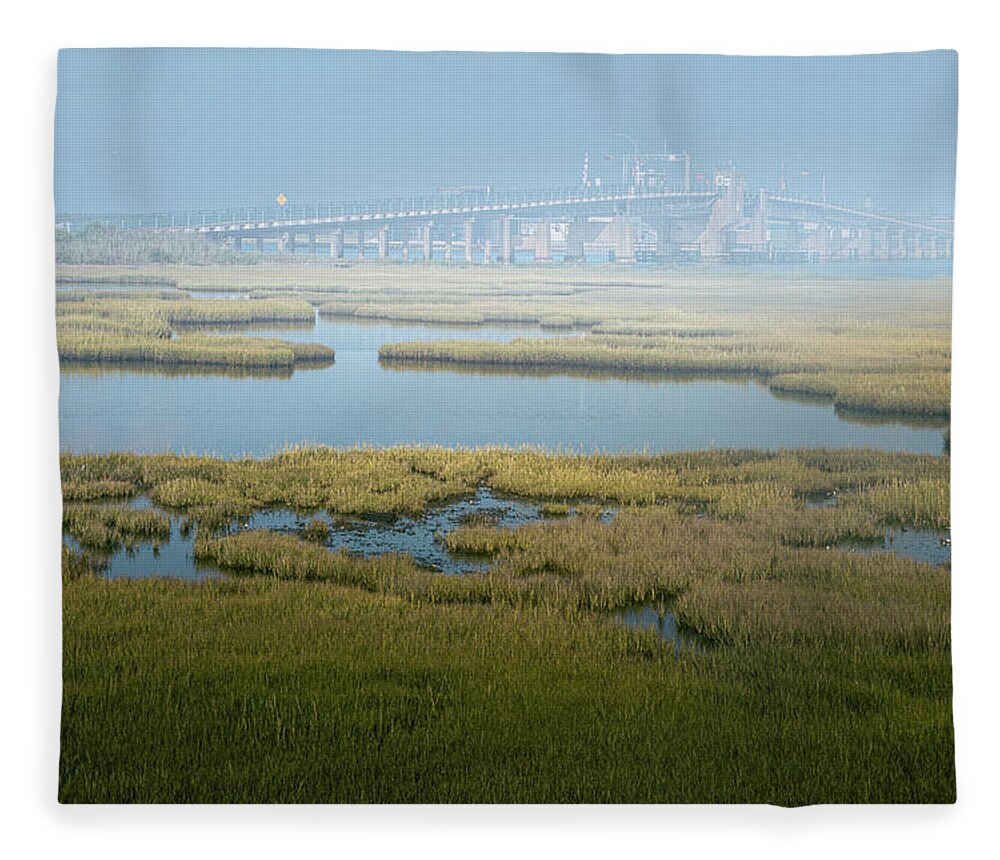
(157, 130)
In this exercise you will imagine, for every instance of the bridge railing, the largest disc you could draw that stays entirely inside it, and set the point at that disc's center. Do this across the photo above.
(291, 212)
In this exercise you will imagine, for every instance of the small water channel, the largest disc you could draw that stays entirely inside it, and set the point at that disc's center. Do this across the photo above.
(924, 545)
(420, 537)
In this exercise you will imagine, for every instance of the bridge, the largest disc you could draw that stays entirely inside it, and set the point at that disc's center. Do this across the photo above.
(726, 222)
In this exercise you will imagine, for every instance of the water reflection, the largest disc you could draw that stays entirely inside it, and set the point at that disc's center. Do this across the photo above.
(359, 401)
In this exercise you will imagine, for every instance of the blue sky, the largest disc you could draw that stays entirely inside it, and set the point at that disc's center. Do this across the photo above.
(154, 130)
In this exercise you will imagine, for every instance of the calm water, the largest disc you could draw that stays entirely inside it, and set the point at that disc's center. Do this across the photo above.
(420, 537)
(423, 538)
(357, 401)
(920, 544)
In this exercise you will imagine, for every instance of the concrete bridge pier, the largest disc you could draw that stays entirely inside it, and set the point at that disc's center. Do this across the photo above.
(259, 244)
(283, 242)
(543, 242)
(428, 244)
(575, 238)
(468, 240)
(624, 245)
(758, 224)
(884, 252)
(487, 253)
(447, 249)
(383, 243)
(406, 250)
(507, 249)
(864, 244)
(361, 243)
(337, 245)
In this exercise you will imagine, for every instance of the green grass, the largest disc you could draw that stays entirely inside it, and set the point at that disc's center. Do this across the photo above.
(891, 487)
(260, 691)
(105, 529)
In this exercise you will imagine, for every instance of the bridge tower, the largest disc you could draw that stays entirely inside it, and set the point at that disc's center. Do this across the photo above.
(726, 210)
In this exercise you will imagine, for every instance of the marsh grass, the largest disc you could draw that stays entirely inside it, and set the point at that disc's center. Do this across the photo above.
(256, 690)
(320, 676)
(105, 529)
(897, 375)
(139, 330)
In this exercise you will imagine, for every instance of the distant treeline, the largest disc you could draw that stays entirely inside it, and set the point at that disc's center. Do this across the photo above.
(98, 243)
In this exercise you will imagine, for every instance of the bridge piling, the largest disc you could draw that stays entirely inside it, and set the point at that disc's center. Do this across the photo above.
(575, 239)
(428, 243)
(543, 242)
(624, 246)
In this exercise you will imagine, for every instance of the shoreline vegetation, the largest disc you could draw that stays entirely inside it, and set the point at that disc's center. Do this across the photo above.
(165, 330)
(522, 673)
(889, 378)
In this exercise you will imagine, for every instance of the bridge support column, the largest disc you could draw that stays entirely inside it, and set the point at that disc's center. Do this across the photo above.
(758, 224)
(428, 243)
(259, 243)
(383, 243)
(361, 244)
(468, 240)
(664, 238)
(884, 251)
(406, 250)
(283, 241)
(487, 252)
(864, 243)
(543, 242)
(447, 249)
(507, 251)
(337, 245)
(574, 239)
(624, 246)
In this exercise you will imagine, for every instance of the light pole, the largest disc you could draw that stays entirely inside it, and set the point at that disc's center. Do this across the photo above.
(635, 149)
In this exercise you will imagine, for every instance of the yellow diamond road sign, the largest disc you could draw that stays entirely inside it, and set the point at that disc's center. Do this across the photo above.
(281, 199)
